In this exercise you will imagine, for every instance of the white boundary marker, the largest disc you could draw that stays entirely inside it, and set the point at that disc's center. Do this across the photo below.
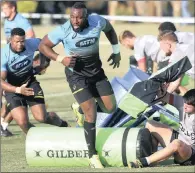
(152, 19)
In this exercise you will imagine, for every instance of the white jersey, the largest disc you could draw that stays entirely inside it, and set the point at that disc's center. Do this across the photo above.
(185, 37)
(181, 51)
(147, 46)
(187, 123)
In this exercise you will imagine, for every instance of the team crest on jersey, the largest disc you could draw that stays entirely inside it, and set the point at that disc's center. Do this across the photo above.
(21, 64)
(86, 42)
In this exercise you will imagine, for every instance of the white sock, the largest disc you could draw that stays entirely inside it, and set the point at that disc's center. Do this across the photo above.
(4, 125)
(148, 161)
(2, 119)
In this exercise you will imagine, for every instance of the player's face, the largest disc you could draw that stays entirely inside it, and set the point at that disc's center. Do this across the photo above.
(189, 108)
(165, 46)
(77, 18)
(17, 43)
(7, 10)
(127, 43)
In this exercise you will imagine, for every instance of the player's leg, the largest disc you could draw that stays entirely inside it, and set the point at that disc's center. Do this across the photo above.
(104, 95)
(182, 153)
(18, 109)
(161, 132)
(106, 99)
(88, 106)
(83, 95)
(6, 118)
(89, 109)
(38, 109)
(4, 125)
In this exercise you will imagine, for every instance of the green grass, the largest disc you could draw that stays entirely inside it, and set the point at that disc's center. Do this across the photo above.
(13, 159)
(59, 98)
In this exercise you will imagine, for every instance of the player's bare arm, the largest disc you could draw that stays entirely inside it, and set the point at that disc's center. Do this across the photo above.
(30, 33)
(10, 88)
(46, 48)
(142, 64)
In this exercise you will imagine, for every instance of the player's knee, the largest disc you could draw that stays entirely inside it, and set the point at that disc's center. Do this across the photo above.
(23, 124)
(176, 144)
(41, 118)
(89, 115)
(110, 108)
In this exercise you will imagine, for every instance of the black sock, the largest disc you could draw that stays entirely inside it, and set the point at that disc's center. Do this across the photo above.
(144, 162)
(80, 110)
(64, 124)
(90, 136)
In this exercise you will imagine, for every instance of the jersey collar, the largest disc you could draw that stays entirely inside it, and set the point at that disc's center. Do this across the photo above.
(13, 17)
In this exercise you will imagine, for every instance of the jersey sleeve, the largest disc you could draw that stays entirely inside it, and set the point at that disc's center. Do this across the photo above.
(177, 55)
(56, 36)
(139, 50)
(25, 25)
(34, 43)
(100, 21)
(3, 60)
(103, 23)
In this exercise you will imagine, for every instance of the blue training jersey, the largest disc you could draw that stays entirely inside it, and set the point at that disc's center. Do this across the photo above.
(19, 66)
(84, 44)
(18, 22)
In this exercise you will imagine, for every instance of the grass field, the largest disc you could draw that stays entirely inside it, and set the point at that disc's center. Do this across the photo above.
(59, 98)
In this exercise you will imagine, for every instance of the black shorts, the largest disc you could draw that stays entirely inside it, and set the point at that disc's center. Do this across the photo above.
(85, 88)
(174, 135)
(191, 160)
(15, 100)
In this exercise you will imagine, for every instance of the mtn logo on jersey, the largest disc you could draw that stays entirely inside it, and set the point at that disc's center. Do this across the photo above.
(21, 64)
(87, 42)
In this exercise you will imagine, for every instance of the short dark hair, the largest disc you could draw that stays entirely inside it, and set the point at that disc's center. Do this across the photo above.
(79, 5)
(11, 3)
(17, 31)
(167, 26)
(168, 35)
(126, 34)
(189, 97)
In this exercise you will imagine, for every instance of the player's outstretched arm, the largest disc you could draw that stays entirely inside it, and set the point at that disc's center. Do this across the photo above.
(45, 47)
(112, 37)
(174, 85)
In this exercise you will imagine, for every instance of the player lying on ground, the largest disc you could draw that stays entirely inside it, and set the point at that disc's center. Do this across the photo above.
(179, 144)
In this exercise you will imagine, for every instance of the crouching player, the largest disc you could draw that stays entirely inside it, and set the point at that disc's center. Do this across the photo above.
(19, 82)
(181, 144)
